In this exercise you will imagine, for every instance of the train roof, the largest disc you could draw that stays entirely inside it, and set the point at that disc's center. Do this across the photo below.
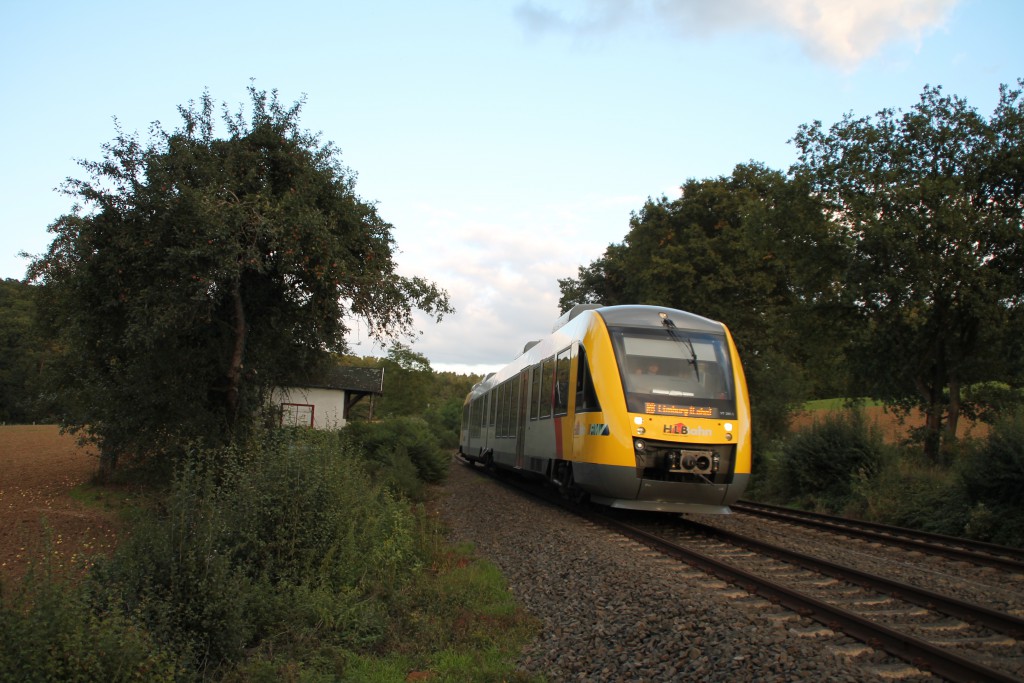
(652, 316)
(632, 315)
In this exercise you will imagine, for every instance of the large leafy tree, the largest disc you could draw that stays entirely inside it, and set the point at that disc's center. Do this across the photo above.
(200, 270)
(736, 249)
(929, 203)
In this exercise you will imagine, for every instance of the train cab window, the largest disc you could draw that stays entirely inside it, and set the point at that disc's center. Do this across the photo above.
(560, 395)
(675, 372)
(586, 397)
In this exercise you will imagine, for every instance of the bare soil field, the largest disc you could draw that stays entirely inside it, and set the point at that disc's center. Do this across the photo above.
(893, 429)
(39, 518)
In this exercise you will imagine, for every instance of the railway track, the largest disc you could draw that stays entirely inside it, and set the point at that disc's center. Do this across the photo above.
(954, 639)
(942, 634)
(976, 552)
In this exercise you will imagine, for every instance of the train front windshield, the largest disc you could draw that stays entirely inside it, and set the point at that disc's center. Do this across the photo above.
(675, 372)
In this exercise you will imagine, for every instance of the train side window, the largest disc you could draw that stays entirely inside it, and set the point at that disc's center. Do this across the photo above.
(561, 387)
(499, 424)
(492, 405)
(506, 409)
(473, 418)
(513, 407)
(586, 397)
(534, 392)
(547, 387)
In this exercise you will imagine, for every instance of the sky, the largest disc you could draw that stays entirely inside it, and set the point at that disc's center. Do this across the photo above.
(507, 141)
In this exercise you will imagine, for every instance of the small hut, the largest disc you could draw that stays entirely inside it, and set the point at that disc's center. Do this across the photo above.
(325, 400)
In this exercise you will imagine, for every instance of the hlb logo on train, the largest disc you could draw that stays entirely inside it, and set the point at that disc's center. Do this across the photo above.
(680, 428)
(599, 430)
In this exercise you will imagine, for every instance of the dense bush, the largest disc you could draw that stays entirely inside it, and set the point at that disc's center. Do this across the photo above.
(907, 491)
(992, 475)
(292, 530)
(402, 452)
(52, 631)
(282, 561)
(840, 465)
(445, 421)
(816, 467)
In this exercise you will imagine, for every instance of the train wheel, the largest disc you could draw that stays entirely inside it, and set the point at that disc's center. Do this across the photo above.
(567, 487)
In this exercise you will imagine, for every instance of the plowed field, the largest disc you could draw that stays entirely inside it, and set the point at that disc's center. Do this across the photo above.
(39, 518)
(893, 429)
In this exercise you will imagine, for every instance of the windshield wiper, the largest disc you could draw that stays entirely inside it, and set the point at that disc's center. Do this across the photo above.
(671, 327)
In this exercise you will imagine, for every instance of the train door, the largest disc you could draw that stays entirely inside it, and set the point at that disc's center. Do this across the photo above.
(522, 398)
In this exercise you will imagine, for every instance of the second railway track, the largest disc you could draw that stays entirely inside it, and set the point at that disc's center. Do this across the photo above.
(950, 637)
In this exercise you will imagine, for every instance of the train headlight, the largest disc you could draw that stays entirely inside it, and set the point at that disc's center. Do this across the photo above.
(728, 431)
(640, 445)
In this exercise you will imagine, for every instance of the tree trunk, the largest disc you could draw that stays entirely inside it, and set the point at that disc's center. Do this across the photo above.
(235, 366)
(108, 465)
(953, 414)
(933, 408)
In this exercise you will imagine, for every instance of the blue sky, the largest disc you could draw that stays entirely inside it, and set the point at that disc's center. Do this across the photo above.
(507, 141)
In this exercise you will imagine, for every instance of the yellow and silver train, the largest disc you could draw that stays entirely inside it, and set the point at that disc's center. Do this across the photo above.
(637, 407)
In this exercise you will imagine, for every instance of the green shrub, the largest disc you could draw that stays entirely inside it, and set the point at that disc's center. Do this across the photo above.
(816, 467)
(445, 422)
(992, 476)
(401, 451)
(281, 561)
(287, 538)
(52, 631)
(909, 492)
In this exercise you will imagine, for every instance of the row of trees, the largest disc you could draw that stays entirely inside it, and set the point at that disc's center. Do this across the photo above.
(888, 262)
(201, 271)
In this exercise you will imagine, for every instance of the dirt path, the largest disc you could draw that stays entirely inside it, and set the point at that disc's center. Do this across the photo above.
(38, 517)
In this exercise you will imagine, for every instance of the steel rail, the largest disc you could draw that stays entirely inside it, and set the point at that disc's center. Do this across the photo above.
(914, 650)
(1012, 559)
(918, 652)
(1007, 624)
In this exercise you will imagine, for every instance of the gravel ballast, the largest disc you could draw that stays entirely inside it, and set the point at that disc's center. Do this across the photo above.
(613, 610)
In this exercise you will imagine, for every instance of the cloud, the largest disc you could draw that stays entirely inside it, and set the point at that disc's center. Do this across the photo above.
(604, 16)
(837, 32)
(501, 271)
